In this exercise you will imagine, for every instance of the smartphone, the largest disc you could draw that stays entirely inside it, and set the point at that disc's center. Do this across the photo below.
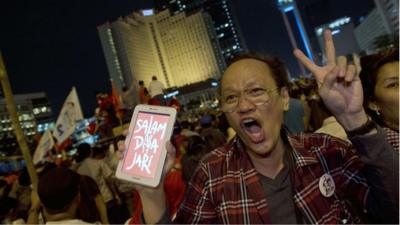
(150, 128)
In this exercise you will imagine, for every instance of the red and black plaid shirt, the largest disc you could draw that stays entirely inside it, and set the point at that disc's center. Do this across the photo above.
(392, 137)
(227, 189)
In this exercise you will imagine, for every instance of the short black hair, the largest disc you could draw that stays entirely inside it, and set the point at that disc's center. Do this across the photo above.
(99, 150)
(278, 69)
(141, 82)
(185, 124)
(58, 188)
(83, 152)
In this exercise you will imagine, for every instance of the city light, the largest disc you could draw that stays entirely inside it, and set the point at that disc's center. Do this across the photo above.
(339, 22)
(147, 12)
(169, 95)
(334, 32)
(335, 24)
(320, 30)
(287, 9)
(282, 2)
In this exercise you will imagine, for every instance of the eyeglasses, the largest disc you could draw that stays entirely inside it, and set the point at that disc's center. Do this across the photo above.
(257, 96)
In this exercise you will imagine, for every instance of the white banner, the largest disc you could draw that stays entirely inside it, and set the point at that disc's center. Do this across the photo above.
(70, 113)
(46, 143)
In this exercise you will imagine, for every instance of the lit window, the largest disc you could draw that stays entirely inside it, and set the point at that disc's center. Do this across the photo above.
(36, 111)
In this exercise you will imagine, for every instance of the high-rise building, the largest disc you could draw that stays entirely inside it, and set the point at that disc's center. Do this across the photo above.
(35, 115)
(343, 36)
(179, 49)
(223, 19)
(389, 11)
(111, 40)
(295, 28)
(382, 20)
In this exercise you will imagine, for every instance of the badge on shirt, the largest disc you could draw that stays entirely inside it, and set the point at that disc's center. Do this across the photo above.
(326, 185)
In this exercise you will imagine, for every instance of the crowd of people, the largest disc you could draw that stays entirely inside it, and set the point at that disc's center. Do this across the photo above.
(319, 150)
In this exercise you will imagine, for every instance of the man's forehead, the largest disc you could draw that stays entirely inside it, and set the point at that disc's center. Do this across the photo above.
(247, 68)
(248, 64)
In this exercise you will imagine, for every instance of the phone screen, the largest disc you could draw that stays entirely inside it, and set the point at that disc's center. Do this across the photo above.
(146, 144)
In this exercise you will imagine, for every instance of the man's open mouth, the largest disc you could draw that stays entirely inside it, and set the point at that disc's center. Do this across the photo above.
(253, 129)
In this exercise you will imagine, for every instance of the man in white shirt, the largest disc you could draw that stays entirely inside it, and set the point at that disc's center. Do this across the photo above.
(156, 89)
(96, 168)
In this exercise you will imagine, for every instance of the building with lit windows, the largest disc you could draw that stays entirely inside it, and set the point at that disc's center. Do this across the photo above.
(179, 49)
(223, 19)
(35, 115)
(389, 11)
(382, 20)
(118, 67)
(343, 35)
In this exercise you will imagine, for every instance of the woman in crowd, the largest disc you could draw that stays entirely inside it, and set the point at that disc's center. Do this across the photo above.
(380, 79)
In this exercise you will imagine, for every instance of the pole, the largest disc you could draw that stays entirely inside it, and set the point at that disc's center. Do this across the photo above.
(12, 110)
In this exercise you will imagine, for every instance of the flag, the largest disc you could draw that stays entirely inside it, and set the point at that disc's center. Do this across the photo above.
(46, 143)
(115, 98)
(66, 121)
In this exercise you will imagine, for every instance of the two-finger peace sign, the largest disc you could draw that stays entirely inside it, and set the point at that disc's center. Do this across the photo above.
(320, 71)
(338, 82)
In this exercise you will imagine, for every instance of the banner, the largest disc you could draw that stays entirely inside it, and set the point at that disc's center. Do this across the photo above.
(70, 113)
(46, 143)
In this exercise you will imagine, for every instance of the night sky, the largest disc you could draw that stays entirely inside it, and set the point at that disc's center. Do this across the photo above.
(51, 46)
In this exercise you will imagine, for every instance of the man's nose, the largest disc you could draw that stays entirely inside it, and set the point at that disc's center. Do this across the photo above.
(244, 104)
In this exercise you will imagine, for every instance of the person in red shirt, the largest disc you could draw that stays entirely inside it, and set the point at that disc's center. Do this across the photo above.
(144, 96)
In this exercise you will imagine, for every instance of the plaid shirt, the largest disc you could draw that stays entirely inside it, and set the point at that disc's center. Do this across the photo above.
(392, 137)
(227, 189)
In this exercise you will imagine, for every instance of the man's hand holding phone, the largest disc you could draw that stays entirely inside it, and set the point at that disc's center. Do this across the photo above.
(168, 164)
(147, 155)
(153, 198)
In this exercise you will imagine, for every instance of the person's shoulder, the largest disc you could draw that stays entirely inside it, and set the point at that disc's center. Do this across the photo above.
(89, 164)
(219, 155)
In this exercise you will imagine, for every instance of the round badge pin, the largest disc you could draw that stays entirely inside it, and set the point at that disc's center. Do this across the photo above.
(326, 185)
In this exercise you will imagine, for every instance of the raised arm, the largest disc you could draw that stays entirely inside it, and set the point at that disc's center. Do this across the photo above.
(341, 90)
(339, 85)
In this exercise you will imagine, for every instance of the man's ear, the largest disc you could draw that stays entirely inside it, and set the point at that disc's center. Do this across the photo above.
(285, 98)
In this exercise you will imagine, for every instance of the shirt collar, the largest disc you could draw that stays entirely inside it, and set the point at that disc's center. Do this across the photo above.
(301, 155)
